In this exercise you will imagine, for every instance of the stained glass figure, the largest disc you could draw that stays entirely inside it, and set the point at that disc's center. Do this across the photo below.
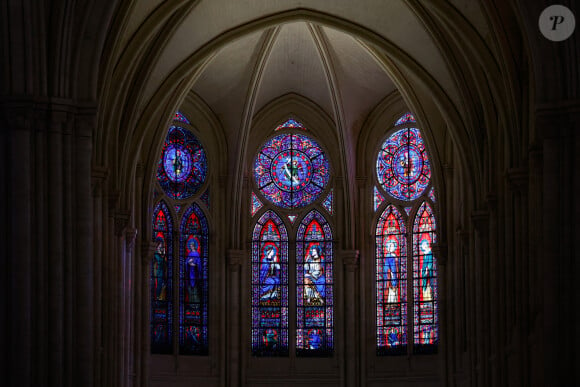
(292, 218)
(180, 117)
(182, 167)
(193, 283)
(378, 198)
(328, 203)
(270, 287)
(161, 285)
(314, 287)
(432, 194)
(291, 170)
(205, 198)
(391, 279)
(290, 124)
(405, 118)
(403, 168)
(256, 204)
(425, 308)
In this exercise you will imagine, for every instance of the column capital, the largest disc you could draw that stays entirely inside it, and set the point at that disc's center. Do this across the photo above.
(350, 259)
(121, 221)
(130, 236)
(235, 259)
(147, 250)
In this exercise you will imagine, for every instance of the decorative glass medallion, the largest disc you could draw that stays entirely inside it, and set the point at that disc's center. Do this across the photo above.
(378, 198)
(292, 218)
(177, 208)
(183, 166)
(407, 117)
(328, 203)
(291, 170)
(403, 167)
(179, 116)
(408, 210)
(256, 204)
(290, 124)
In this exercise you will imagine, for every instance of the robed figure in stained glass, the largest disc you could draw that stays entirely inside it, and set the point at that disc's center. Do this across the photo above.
(270, 274)
(159, 269)
(390, 270)
(426, 269)
(314, 279)
(193, 270)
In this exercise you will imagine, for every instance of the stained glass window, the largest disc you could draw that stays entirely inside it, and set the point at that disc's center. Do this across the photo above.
(405, 118)
(403, 171)
(378, 198)
(180, 117)
(290, 124)
(403, 168)
(391, 279)
(314, 287)
(256, 204)
(183, 166)
(193, 282)
(270, 287)
(161, 284)
(291, 170)
(425, 307)
(328, 203)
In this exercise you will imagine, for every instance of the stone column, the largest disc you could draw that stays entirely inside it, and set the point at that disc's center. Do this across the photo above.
(235, 259)
(351, 313)
(147, 251)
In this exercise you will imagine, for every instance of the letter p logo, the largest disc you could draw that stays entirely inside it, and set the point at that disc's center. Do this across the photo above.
(557, 23)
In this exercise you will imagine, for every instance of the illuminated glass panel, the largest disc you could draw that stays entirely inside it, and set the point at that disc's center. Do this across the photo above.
(405, 118)
(432, 194)
(193, 283)
(292, 218)
(182, 167)
(378, 198)
(403, 167)
(256, 204)
(328, 203)
(179, 116)
(161, 281)
(314, 287)
(425, 308)
(290, 124)
(391, 280)
(408, 210)
(269, 287)
(205, 198)
(291, 170)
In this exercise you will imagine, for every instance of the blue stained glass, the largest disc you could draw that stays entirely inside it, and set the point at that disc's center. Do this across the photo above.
(407, 117)
(182, 167)
(256, 204)
(161, 283)
(193, 283)
(425, 289)
(181, 118)
(403, 168)
(314, 285)
(290, 124)
(391, 283)
(378, 198)
(286, 172)
(269, 287)
(328, 203)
